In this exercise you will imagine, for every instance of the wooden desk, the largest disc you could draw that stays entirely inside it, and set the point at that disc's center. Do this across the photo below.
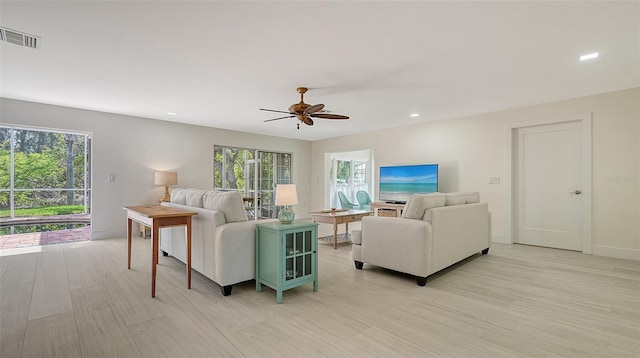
(156, 217)
(383, 205)
(339, 217)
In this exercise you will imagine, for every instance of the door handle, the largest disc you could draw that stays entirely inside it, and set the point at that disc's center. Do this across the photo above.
(577, 192)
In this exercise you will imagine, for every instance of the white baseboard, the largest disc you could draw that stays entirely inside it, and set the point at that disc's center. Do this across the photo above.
(616, 252)
(109, 234)
(499, 239)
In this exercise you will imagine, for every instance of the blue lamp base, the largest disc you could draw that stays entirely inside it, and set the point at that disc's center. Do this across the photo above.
(286, 215)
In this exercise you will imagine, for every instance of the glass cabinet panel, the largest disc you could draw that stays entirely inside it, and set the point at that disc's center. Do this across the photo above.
(289, 245)
(307, 241)
(298, 253)
(299, 266)
(290, 269)
(307, 264)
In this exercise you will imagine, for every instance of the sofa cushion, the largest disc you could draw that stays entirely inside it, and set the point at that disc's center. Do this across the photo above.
(229, 202)
(194, 198)
(179, 196)
(418, 203)
(463, 197)
(473, 198)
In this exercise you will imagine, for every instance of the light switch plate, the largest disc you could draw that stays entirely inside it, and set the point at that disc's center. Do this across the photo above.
(494, 180)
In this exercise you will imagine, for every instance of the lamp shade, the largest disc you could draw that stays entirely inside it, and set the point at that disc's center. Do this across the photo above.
(166, 178)
(286, 194)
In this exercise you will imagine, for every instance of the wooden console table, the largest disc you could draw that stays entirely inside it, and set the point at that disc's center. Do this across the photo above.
(339, 217)
(387, 206)
(156, 217)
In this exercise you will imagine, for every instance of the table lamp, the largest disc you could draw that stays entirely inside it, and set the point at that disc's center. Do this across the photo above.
(286, 195)
(166, 179)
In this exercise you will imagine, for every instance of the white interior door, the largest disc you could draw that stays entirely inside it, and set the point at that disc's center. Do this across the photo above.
(549, 186)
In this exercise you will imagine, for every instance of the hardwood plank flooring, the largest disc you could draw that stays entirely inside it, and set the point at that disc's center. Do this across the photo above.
(79, 300)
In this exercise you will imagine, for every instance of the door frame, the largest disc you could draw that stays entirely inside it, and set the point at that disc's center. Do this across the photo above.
(510, 153)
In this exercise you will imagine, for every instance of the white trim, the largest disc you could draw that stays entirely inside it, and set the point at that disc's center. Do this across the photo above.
(499, 238)
(617, 252)
(110, 234)
(46, 129)
(510, 128)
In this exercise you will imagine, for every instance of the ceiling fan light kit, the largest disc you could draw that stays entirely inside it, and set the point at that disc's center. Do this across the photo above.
(304, 111)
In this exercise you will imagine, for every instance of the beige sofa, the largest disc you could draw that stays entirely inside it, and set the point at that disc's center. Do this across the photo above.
(435, 231)
(223, 240)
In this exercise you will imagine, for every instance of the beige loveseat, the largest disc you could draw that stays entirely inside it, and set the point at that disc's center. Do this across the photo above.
(223, 240)
(435, 231)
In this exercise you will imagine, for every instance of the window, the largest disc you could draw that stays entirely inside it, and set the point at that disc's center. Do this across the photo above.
(43, 172)
(254, 173)
(348, 176)
(344, 174)
(359, 172)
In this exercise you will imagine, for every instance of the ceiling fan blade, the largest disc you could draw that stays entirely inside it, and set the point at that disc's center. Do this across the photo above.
(313, 109)
(328, 116)
(275, 119)
(273, 110)
(308, 121)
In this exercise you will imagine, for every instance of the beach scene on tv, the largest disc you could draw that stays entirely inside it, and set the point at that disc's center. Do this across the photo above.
(398, 183)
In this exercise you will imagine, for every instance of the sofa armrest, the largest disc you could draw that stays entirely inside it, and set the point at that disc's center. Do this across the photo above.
(458, 232)
(235, 251)
(397, 243)
(203, 227)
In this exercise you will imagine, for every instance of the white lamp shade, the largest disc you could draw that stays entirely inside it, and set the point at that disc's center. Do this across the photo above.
(166, 178)
(286, 194)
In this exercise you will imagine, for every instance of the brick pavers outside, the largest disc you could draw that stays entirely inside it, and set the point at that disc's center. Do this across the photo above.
(45, 238)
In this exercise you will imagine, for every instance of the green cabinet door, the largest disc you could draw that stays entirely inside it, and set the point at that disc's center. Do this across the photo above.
(286, 256)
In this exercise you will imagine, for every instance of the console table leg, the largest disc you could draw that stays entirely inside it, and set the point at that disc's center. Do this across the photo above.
(189, 253)
(154, 259)
(129, 243)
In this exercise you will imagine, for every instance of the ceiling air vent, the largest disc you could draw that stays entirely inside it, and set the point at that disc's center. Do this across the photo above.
(19, 38)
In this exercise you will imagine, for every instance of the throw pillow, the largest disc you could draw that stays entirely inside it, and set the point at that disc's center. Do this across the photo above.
(229, 202)
(463, 197)
(418, 203)
(456, 198)
(473, 197)
(194, 198)
(179, 196)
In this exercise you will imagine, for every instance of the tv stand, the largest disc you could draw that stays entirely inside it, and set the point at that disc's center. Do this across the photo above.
(389, 209)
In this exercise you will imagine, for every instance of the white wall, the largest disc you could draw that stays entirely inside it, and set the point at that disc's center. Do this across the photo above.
(471, 149)
(133, 148)
(468, 149)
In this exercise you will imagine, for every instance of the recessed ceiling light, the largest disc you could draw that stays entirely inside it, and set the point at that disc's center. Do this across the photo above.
(589, 56)
(171, 113)
(414, 115)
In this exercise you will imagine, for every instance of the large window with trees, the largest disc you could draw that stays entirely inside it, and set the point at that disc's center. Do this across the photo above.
(254, 173)
(43, 172)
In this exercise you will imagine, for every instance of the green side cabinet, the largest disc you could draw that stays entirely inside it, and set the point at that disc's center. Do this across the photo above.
(286, 255)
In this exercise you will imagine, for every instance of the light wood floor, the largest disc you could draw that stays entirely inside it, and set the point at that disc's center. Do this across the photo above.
(79, 300)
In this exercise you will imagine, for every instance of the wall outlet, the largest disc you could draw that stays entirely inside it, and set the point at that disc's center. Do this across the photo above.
(494, 180)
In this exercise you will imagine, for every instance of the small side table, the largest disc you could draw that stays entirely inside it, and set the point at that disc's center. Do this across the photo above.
(286, 256)
(156, 217)
(375, 206)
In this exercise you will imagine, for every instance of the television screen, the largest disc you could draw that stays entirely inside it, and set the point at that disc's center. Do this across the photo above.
(398, 182)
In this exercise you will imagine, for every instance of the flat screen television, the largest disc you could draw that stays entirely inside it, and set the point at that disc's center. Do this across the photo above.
(399, 182)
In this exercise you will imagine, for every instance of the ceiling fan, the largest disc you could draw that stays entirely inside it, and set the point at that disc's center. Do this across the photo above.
(304, 112)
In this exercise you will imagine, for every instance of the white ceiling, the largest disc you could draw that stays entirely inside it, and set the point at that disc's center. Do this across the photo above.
(216, 63)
